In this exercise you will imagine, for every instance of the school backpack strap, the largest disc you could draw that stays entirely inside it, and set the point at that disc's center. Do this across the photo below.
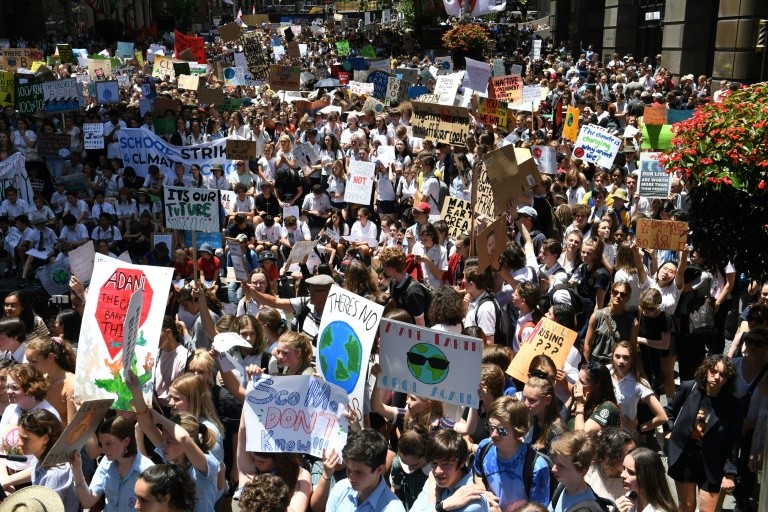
(528, 466)
(479, 462)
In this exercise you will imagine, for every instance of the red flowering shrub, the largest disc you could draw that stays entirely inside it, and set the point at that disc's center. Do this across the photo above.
(466, 37)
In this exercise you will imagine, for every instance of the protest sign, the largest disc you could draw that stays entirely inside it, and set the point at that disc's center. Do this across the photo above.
(229, 32)
(347, 331)
(99, 68)
(477, 75)
(360, 88)
(372, 103)
(447, 86)
(227, 199)
(546, 158)
(238, 261)
(286, 78)
(29, 97)
(548, 338)
(440, 123)
(240, 149)
(99, 365)
(78, 431)
(655, 115)
(301, 249)
(498, 67)
(507, 88)
(491, 243)
(653, 180)
(124, 49)
(295, 414)
(74, 183)
(7, 89)
(186, 55)
(189, 82)
(13, 173)
(14, 58)
(201, 237)
(234, 76)
(571, 125)
(60, 95)
(360, 180)
(195, 209)
(66, 56)
(208, 96)
(258, 61)
(596, 146)
(671, 235)
(49, 144)
(491, 112)
(437, 365)
(93, 135)
(81, 261)
(166, 238)
(482, 193)
(164, 67)
(305, 154)
(457, 213)
(380, 81)
(255, 20)
(657, 137)
(511, 172)
(342, 48)
(531, 98)
(131, 328)
(140, 148)
(182, 42)
(107, 92)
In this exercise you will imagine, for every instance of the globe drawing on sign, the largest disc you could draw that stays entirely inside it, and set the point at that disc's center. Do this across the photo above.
(427, 363)
(229, 73)
(340, 353)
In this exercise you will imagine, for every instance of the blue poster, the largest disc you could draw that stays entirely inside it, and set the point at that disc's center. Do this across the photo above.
(379, 80)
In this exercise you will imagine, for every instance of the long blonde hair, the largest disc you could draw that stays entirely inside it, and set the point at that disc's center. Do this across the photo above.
(198, 395)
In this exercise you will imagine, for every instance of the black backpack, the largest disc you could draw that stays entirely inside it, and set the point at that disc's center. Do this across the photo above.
(529, 464)
(578, 304)
(599, 504)
(503, 321)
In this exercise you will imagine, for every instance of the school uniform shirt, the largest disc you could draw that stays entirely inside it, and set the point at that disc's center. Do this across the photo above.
(423, 503)
(269, 234)
(79, 232)
(343, 498)
(336, 188)
(77, 209)
(629, 392)
(105, 207)
(118, 491)
(484, 312)
(58, 201)
(299, 233)
(430, 191)
(112, 185)
(245, 206)
(319, 204)
(13, 210)
(126, 209)
(206, 491)
(9, 426)
(49, 240)
(44, 213)
(61, 480)
(365, 233)
(439, 256)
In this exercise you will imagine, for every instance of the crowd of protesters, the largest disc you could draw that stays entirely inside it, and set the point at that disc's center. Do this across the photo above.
(587, 436)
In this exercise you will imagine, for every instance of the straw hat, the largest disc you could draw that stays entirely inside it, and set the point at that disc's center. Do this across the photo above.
(34, 498)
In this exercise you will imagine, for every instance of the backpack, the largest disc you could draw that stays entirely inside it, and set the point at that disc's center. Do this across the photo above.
(578, 304)
(427, 295)
(529, 464)
(600, 504)
(501, 334)
(441, 195)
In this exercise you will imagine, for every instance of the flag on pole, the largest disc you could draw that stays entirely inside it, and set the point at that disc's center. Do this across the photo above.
(239, 13)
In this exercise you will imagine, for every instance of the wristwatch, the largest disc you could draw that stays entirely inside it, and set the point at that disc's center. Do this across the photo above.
(439, 507)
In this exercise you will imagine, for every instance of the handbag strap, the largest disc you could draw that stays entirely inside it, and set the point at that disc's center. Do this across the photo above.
(610, 324)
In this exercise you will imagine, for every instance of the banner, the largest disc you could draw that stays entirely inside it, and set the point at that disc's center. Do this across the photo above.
(13, 173)
(571, 126)
(140, 148)
(99, 361)
(93, 136)
(440, 123)
(508, 88)
(671, 235)
(653, 181)
(431, 364)
(182, 42)
(548, 338)
(78, 431)
(7, 89)
(492, 112)
(286, 78)
(347, 331)
(194, 209)
(595, 145)
(360, 180)
(457, 213)
(295, 414)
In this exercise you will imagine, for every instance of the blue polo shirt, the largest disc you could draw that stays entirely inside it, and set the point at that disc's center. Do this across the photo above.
(422, 503)
(118, 491)
(344, 499)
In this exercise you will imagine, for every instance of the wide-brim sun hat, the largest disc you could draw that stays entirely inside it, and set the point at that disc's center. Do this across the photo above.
(34, 498)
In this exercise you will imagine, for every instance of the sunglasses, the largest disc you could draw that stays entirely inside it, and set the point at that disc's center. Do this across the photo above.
(540, 374)
(498, 428)
(617, 293)
(434, 362)
(751, 340)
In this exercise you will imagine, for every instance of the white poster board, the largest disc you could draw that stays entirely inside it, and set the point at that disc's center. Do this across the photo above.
(359, 182)
(193, 209)
(595, 145)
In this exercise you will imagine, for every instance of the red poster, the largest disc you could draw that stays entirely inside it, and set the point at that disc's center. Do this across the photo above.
(196, 44)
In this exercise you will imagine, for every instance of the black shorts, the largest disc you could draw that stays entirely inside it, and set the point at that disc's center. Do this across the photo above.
(689, 469)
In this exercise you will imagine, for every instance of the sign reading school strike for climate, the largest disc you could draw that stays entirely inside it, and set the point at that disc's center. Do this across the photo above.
(432, 364)
(653, 180)
(548, 338)
(661, 234)
(99, 363)
(440, 123)
(457, 213)
(295, 414)
(194, 209)
(347, 331)
(359, 182)
(596, 146)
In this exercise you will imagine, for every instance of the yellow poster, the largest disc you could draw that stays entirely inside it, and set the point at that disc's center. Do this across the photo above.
(571, 124)
(6, 89)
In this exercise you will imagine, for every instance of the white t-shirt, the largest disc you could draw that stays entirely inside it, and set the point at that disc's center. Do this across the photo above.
(439, 256)
(485, 313)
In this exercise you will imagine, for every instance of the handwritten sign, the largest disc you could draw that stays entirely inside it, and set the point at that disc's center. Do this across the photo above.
(99, 365)
(654, 181)
(432, 364)
(342, 48)
(60, 95)
(189, 82)
(14, 58)
(491, 243)
(548, 338)
(78, 431)
(295, 414)
(655, 115)
(359, 182)
(191, 208)
(440, 123)
(507, 88)
(131, 327)
(661, 234)
(107, 92)
(595, 145)
(511, 172)
(93, 135)
(196, 44)
(49, 144)
(229, 32)
(29, 97)
(238, 261)
(81, 261)
(571, 125)
(347, 331)
(546, 158)
(286, 78)
(492, 112)
(482, 194)
(7, 89)
(258, 60)
(447, 86)
(240, 149)
(66, 56)
(457, 213)
(163, 67)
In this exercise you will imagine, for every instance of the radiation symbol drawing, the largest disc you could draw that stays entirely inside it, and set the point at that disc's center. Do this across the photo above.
(427, 363)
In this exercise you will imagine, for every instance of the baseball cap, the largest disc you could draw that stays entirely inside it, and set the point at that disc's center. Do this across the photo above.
(422, 207)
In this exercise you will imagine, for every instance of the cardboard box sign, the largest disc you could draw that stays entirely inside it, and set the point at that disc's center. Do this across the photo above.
(240, 149)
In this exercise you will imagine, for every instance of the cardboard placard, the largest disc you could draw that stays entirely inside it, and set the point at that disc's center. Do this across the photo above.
(507, 88)
(78, 431)
(81, 261)
(661, 234)
(229, 32)
(163, 67)
(258, 60)
(286, 78)
(99, 68)
(491, 112)
(255, 20)
(440, 123)
(238, 261)
(548, 338)
(194, 209)
(571, 124)
(511, 172)
(240, 149)
(131, 328)
(49, 144)
(491, 243)
(189, 82)
(208, 96)
(432, 364)
(457, 213)
(13, 58)
(655, 115)
(653, 179)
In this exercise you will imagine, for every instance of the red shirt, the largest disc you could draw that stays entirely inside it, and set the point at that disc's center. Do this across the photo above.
(209, 266)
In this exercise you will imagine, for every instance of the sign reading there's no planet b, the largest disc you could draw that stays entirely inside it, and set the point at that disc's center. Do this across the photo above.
(432, 364)
(195, 209)
(347, 331)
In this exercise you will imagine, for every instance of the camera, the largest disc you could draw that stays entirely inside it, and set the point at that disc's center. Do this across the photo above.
(59, 299)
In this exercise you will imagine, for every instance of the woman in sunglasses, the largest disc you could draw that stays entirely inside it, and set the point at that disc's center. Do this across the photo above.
(611, 324)
(593, 405)
(753, 316)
